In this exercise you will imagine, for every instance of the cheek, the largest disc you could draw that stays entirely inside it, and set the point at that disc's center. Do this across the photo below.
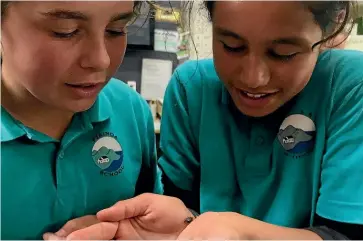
(50, 65)
(116, 51)
(37, 59)
(293, 77)
(226, 65)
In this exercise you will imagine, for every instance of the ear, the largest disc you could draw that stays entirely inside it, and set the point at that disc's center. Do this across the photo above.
(341, 16)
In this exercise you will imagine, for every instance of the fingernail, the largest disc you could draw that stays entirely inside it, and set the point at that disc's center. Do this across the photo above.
(100, 213)
(46, 236)
(51, 236)
(61, 233)
(72, 237)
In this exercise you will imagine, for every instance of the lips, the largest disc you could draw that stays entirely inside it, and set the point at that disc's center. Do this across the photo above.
(85, 90)
(84, 85)
(257, 96)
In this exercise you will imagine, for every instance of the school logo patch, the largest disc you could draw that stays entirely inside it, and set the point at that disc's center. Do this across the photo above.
(107, 154)
(297, 135)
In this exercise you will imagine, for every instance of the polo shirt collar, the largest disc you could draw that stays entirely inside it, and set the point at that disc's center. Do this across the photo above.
(10, 128)
(101, 109)
(225, 96)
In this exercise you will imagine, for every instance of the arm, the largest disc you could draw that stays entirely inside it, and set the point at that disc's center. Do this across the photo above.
(339, 212)
(333, 230)
(258, 230)
(264, 231)
(341, 192)
(233, 226)
(340, 204)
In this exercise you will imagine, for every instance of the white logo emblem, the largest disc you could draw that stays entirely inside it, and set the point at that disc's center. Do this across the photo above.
(297, 134)
(107, 154)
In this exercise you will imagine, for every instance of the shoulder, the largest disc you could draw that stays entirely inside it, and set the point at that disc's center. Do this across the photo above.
(194, 82)
(196, 73)
(194, 85)
(337, 75)
(117, 92)
(119, 96)
(343, 68)
(336, 57)
(194, 79)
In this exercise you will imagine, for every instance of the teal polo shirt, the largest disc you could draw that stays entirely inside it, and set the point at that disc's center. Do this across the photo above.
(107, 154)
(304, 159)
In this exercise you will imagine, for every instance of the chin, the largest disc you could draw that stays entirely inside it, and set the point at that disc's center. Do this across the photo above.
(256, 113)
(79, 106)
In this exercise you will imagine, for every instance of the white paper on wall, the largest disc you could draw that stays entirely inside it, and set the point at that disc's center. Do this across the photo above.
(155, 76)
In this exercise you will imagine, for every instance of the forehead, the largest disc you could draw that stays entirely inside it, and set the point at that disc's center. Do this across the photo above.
(269, 19)
(89, 8)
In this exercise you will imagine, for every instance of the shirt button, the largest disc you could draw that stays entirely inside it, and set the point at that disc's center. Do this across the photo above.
(61, 154)
(260, 140)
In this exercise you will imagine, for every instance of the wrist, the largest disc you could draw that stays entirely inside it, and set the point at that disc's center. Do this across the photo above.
(191, 216)
(193, 213)
(244, 226)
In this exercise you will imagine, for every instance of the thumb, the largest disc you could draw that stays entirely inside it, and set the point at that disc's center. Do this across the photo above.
(52, 236)
(99, 231)
(125, 209)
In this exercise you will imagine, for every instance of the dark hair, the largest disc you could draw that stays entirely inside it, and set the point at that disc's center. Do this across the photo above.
(5, 5)
(138, 5)
(326, 14)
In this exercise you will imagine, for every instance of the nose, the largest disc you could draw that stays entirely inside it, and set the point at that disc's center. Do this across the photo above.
(95, 55)
(255, 72)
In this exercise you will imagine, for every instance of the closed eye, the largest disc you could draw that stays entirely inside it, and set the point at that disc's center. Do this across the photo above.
(114, 33)
(62, 35)
(233, 49)
(65, 35)
(281, 57)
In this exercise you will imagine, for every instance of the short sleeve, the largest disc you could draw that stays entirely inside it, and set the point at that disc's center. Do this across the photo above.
(341, 191)
(179, 160)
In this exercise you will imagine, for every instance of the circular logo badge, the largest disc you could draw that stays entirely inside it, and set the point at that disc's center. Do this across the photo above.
(107, 154)
(297, 134)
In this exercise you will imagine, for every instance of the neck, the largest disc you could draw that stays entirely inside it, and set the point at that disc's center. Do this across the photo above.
(33, 113)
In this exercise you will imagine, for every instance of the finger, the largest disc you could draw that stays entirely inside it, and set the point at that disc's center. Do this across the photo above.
(52, 236)
(125, 209)
(99, 231)
(76, 224)
(126, 231)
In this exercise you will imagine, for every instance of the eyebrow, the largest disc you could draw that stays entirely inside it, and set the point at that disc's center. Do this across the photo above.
(296, 41)
(123, 16)
(227, 33)
(66, 14)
